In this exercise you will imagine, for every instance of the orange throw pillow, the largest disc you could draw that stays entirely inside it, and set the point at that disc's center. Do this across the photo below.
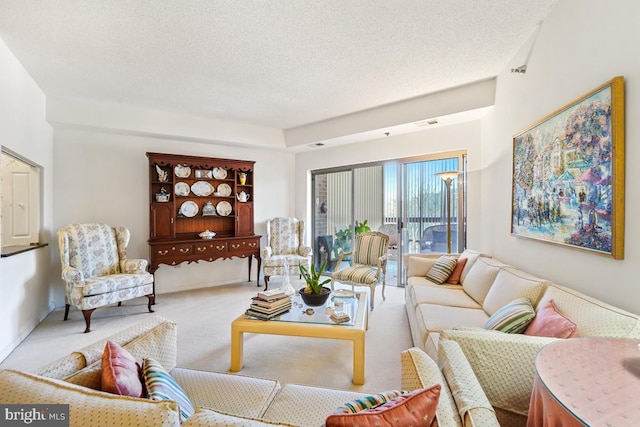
(454, 279)
(417, 408)
(549, 322)
(120, 371)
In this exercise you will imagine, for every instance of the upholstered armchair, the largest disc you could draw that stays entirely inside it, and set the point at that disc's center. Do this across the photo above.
(96, 271)
(369, 263)
(285, 238)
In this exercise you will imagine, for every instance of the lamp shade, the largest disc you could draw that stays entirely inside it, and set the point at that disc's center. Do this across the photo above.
(448, 176)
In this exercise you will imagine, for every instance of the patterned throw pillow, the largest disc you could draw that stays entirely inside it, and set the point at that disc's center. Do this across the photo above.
(512, 318)
(417, 408)
(549, 322)
(442, 269)
(161, 386)
(368, 402)
(120, 372)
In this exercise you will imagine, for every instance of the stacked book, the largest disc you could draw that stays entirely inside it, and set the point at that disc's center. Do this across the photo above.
(269, 304)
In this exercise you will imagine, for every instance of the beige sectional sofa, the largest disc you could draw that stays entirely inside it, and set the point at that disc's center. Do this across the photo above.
(229, 399)
(503, 363)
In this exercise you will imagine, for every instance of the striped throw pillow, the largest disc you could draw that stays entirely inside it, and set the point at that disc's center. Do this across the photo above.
(513, 318)
(442, 269)
(161, 386)
(368, 402)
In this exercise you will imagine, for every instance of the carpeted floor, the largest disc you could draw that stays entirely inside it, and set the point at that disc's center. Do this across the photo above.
(204, 319)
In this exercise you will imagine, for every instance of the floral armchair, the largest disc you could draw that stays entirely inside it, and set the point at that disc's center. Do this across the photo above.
(369, 265)
(284, 243)
(96, 271)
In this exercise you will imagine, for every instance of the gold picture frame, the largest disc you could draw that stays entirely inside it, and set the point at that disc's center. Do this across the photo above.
(568, 174)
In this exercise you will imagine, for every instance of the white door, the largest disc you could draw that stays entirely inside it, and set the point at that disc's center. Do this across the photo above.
(20, 194)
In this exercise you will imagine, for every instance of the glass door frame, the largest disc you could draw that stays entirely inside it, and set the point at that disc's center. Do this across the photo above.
(461, 223)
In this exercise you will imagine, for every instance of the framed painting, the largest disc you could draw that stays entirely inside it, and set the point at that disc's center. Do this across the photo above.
(568, 174)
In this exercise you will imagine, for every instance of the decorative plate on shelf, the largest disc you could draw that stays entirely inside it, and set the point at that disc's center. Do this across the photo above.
(183, 171)
(189, 209)
(224, 190)
(182, 189)
(202, 188)
(219, 173)
(223, 208)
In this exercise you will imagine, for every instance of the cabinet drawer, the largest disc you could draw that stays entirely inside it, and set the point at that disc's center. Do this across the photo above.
(182, 249)
(248, 245)
(210, 248)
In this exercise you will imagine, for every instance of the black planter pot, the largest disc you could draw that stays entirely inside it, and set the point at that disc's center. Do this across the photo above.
(315, 300)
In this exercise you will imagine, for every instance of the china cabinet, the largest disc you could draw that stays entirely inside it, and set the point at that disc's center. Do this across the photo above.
(189, 196)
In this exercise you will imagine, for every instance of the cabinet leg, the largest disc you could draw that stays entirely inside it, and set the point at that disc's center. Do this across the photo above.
(250, 259)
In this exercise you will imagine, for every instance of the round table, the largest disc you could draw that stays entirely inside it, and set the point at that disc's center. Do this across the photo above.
(587, 381)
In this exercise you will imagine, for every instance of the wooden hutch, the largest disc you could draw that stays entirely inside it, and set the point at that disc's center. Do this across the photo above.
(189, 195)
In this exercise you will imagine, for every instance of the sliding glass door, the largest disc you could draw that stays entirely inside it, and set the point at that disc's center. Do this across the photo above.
(403, 198)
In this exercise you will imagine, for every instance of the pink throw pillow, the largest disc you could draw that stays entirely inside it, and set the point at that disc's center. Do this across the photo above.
(120, 371)
(454, 279)
(549, 322)
(417, 408)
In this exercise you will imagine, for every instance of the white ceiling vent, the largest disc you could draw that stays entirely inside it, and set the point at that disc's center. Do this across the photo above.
(429, 122)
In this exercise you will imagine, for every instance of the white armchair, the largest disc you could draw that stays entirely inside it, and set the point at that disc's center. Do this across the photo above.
(96, 271)
(285, 238)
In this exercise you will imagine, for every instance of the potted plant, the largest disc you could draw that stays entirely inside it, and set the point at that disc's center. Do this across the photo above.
(314, 293)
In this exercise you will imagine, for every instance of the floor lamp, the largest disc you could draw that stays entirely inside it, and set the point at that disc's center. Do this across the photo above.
(448, 178)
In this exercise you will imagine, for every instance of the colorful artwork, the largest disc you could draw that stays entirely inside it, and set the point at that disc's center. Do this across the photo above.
(568, 174)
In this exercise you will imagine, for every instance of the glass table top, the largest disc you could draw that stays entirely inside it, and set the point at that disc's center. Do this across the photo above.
(338, 302)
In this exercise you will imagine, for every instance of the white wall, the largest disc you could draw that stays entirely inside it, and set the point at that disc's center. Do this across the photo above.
(439, 139)
(581, 44)
(24, 278)
(103, 177)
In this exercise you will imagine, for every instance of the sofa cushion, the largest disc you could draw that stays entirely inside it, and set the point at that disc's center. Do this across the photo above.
(286, 406)
(436, 317)
(417, 408)
(161, 386)
(444, 296)
(481, 277)
(509, 284)
(205, 417)
(257, 392)
(454, 278)
(420, 371)
(419, 265)
(471, 256)
(120, 371)
(513, 318)
(442, 269)
(86, 407)
(549, 322)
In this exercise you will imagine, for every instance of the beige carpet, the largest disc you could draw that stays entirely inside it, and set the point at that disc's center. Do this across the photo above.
(204, 319)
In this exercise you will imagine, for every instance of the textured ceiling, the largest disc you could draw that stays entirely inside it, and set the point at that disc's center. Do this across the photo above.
(278, 63)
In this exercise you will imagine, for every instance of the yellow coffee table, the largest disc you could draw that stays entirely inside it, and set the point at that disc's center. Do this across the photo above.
(317, 325)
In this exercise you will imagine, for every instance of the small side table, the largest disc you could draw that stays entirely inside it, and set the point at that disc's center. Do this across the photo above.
(587, 381)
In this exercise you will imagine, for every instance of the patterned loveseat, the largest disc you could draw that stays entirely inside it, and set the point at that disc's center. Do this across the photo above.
(96, 271)
(228, 399)
(502, 362)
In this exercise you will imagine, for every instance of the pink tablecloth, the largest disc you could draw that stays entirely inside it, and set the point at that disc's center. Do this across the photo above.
(587, 381)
